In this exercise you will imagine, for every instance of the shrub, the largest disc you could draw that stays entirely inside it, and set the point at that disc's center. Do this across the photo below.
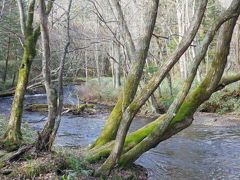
(103, 93)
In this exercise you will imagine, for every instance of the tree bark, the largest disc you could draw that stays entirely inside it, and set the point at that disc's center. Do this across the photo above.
(60, 79)
(138, 58)
(142, 54)
(43, 143)
(12, 137)
(171, 123)
(195, 97)
(6, 61)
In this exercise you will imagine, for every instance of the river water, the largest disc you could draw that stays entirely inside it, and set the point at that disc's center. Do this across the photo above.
(208, 149)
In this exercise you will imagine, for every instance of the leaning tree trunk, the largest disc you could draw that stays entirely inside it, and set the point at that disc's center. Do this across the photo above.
(115, 118)
(137, 136)
(168, 127)
(151, 15)
(182, 119)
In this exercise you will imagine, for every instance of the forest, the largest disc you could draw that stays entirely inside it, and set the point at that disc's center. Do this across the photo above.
(117, 89)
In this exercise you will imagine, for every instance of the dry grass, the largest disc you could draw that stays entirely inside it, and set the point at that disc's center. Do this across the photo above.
(102, 93)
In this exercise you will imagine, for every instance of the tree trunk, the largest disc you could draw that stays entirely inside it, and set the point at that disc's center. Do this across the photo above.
(12, 137)
(183, 113)
(60, 80)
(44, 138)
(170, 126)
(6, 61)
(134, 76)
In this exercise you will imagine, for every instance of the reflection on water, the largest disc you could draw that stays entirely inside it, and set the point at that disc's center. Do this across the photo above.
(198, 152)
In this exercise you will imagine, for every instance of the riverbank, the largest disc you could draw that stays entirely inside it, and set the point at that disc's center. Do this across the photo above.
(165, 160)
(61, 163)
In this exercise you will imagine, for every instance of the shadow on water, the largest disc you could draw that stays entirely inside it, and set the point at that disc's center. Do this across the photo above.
(198, 152)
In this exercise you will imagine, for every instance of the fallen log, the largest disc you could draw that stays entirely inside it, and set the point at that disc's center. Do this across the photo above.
(67, 108)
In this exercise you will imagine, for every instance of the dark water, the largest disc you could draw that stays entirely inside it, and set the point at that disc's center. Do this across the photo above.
(199, 152)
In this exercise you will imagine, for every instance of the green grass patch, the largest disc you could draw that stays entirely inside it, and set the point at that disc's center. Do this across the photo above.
(28, 133)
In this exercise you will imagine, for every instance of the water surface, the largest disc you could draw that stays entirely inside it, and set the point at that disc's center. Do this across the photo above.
(209, 149)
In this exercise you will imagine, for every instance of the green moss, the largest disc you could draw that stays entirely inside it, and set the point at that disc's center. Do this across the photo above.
(12, 139)
(110, 130)
(33, 168)
(134, 138)
(37, 107)
(191, 103)
(96, 153)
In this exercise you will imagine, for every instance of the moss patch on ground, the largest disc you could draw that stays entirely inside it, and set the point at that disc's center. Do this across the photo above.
(63, 164)
(27, 132)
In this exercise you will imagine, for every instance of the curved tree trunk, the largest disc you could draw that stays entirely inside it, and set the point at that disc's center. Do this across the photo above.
(138, 58)
(170, 126)
(113, 124)
(189, 106)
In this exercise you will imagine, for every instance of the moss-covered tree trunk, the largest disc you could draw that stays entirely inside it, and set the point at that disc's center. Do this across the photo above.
(183, 117)
(137, 136)
(138, 58)
(12, 137)
(151, 15)
(168, 127)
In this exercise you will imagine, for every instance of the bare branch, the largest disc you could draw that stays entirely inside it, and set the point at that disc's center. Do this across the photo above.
(127, 35)
(22, 16)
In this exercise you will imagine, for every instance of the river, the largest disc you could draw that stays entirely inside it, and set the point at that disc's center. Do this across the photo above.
(208, 149)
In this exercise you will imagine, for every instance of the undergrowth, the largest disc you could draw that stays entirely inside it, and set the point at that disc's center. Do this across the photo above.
(103, 93)
(27, 132)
